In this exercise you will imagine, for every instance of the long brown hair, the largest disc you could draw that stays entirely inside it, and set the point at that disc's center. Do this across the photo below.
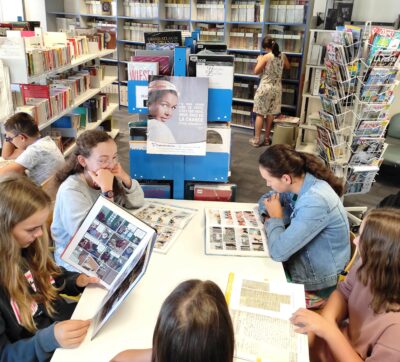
(20, 199)
(279, 160)
(379, 248)
(84, 146)
(194, 325)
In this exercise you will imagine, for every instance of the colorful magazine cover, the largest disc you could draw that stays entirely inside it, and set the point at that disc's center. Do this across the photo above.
(177, 121)
(142, 70)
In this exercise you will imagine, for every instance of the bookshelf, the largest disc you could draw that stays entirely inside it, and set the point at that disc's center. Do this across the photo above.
(310, 100)
(241, 25)
(70, 89)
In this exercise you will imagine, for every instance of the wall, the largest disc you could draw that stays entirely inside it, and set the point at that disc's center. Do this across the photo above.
(10, 10)
(36, 10)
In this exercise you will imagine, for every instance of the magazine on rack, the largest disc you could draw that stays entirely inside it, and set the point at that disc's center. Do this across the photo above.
(107, 243)
(367, 151)
(114, 246)
(260, 311)
(168, 220)
(235, 232)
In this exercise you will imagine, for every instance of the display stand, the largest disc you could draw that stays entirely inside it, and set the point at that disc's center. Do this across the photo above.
(358, 94)
(213, 167)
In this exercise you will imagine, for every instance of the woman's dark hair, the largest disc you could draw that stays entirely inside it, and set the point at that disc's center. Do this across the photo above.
(269, 43)
(22, 123)
(84, 146)
(194, 325)
(379, 247)
(279, 160)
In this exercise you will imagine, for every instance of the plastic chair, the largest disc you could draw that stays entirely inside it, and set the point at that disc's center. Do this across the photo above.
(391, 156)
(354, 256)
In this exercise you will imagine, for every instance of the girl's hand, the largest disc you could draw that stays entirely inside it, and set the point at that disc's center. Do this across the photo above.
(307, 321)
(121, 175)
(273, 206)
(83, 280)
(103, 178)
(71, 333)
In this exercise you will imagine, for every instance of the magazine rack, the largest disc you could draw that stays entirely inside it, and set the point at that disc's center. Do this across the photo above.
(354, 120)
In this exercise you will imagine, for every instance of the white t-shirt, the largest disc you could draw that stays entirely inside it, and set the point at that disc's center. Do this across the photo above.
(42, 159)
(159, 132)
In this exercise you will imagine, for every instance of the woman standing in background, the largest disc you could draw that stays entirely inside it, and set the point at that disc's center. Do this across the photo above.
(268, 97)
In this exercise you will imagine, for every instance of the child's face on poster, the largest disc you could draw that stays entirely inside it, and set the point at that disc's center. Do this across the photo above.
(164, 107)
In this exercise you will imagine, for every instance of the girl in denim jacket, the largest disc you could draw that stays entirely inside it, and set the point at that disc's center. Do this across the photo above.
(305, 220)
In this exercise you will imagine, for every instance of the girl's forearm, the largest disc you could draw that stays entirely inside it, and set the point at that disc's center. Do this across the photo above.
(340, 346)
(335, 309)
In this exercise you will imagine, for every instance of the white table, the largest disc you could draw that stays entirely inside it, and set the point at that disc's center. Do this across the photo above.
(133, 323)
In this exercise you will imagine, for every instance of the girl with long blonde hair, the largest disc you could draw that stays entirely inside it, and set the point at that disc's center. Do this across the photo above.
(30, 282)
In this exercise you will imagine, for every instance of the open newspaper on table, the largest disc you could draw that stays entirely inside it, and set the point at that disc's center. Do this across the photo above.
(168, 220)
(260, 311)
(115, 246)
(235, 232)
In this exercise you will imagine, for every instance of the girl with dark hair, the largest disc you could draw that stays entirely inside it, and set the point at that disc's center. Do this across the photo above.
(194, 325)
(92, 170)
(38, 156)
(305, 221)
(368, 300)
(268, 97)
(30, 281)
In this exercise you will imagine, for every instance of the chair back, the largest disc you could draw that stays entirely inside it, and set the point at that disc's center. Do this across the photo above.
(394, 126)
(354, 257)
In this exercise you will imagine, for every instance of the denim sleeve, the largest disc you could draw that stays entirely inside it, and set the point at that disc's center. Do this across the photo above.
(40, 347)
(286, 202)
(310, 218)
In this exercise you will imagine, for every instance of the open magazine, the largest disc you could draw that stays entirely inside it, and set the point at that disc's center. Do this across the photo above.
(235, 232)
(168, 220)
(114, 246)
(260, 311)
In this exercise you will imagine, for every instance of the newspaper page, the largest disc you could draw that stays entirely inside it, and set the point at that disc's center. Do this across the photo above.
(235, 232)
(260, 311)
(168, 220)
(107, 243)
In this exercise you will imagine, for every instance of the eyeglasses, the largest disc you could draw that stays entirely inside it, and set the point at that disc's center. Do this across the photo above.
(10, 139)
(110, 162)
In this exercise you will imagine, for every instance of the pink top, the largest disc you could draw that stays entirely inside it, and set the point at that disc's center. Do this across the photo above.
(375, 337)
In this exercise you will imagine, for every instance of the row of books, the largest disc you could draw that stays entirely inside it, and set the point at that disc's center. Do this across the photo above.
(100, 7)
(317, 82)
(286, 13)
(210, 10)
(44, 60)
(289, 39)
(177, 11)
(135, 31)
(246, 11)
(18, 25)
(244, 90)
(244, 38)
(211, 32)
(122, 91)
(46, 101)
(144, 9)
(242, 115)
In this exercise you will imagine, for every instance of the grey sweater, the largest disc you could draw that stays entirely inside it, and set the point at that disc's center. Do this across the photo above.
(74, 200)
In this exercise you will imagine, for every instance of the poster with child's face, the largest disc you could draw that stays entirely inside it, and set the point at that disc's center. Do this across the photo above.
(177, 120)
